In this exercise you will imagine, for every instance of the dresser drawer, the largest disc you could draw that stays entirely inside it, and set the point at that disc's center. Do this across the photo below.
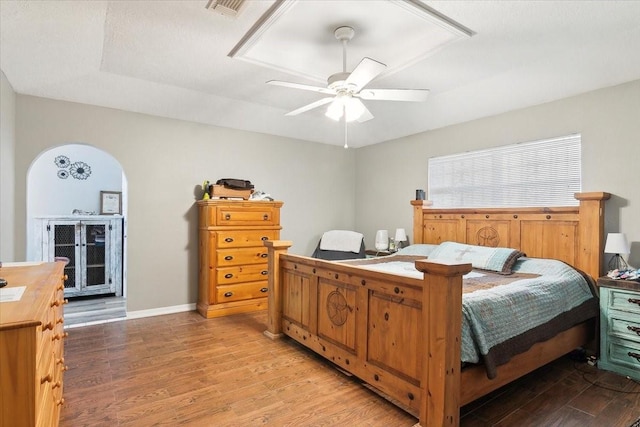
(45, 378)
(620, 299)
(244, 238)
(624, 327)
(242, 291)
(258, 215)
(229, 257)
(625, 353)
(248, 273)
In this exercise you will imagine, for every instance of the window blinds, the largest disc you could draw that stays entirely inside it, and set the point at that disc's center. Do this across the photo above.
(538, 173)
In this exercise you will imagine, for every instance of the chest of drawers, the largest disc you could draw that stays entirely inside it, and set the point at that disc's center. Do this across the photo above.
(232, 258)
(620, 326)
(31, 346)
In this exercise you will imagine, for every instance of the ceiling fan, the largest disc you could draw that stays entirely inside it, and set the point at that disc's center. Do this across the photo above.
(347, 89)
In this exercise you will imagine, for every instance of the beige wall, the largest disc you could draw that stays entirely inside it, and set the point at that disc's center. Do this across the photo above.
(164, 161)
(7, 173)
(608, 119)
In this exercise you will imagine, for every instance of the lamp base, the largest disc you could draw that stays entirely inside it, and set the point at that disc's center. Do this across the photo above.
(618, 263)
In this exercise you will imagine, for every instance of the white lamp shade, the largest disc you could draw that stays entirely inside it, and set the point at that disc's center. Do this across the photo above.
(617, 244)
(382, 240)
(401, 235)
(345, 104)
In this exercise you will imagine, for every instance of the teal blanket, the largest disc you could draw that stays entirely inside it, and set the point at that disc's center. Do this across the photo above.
(504, 320)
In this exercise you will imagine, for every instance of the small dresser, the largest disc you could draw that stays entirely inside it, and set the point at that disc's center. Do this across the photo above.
(232, 257)
(620, 326)
(31, 345)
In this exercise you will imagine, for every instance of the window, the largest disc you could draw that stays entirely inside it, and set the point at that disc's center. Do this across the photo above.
(538, 173)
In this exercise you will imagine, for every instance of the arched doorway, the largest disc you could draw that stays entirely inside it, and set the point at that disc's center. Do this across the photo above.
(77, 208)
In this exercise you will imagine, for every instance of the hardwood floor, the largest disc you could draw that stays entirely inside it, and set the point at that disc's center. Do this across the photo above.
(86, 311)
(182, 369)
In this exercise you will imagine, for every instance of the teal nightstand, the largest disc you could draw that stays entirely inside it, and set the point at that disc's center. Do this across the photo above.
(620, 326)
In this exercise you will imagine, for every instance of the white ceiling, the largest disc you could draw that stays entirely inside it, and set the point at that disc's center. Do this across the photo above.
(171, 58)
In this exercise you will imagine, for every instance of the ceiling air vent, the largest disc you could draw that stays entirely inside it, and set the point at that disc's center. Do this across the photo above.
(230, 8)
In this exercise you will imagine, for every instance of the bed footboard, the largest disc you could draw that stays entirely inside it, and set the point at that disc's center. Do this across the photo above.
(370, 324)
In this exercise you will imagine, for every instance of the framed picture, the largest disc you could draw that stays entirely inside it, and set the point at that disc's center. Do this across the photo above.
(110, 202)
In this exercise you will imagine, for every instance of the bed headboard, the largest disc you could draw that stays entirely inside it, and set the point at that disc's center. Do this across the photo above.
(572, 234)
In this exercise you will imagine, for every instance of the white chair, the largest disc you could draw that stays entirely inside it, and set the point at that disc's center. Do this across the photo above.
(339, 245)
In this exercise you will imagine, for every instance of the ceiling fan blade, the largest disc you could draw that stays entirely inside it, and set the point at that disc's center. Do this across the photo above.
(366, 71)
(302, 86)
(366, 114)
(311, 106)
(412, 95)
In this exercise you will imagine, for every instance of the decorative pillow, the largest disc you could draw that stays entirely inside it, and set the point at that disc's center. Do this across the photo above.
(417, 249)
(500, 260)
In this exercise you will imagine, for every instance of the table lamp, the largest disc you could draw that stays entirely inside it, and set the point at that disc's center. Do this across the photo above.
(401, 237)
(617, 244)
(382, 240)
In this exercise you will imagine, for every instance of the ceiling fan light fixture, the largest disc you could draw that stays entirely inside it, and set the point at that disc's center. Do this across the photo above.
(334, 110)
(345, 105)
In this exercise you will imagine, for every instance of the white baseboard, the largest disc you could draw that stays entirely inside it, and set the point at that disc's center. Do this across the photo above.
(139, 314)
(160, 311)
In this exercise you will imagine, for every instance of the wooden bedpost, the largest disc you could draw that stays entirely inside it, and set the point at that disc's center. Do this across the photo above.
(417, 221)
(441, 338)
(591, 232)
(274, 323)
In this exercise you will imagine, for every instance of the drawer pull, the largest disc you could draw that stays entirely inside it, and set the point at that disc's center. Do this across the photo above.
(264, 238)
(228, 294)
(264, 272)
(48, 326)
(634, 301)
(227, 217)
(228, 258)
(60, 402)
(56, 384)
(265, 217)
(228, 240)
(60, 361)
(228, 276)
(46, 379)
(264, 255)
(60, 320)
(60, 336)
(634, 329)
(634, 355)
(264, 290)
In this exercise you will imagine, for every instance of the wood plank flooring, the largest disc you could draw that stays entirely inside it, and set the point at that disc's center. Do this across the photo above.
(86, 311)
(184, 370)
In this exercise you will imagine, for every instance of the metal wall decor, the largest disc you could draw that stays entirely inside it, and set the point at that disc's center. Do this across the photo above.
(78, 170)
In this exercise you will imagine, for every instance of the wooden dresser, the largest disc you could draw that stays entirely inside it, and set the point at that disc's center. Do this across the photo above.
(31, 346)
(232, 258)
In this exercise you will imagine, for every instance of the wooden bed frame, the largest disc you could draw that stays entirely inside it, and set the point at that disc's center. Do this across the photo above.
(402, 335)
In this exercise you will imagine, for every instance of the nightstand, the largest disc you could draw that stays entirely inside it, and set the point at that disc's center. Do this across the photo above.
(620, 326)
(373, 253)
